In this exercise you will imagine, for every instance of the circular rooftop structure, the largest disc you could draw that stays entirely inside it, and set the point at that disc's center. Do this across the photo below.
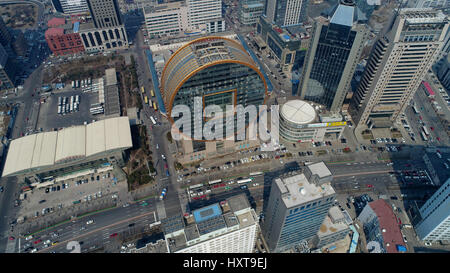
(298, 112)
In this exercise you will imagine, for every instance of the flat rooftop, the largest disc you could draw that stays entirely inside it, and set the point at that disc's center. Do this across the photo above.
(320, 169)
(298, 190)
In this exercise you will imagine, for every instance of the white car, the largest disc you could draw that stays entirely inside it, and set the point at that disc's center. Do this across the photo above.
(33, 250)
(89, 222)
(29, 238)
(47, 242)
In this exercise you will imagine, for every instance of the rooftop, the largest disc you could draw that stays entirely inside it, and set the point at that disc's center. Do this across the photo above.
(328, 227)
(298, 190)
(69, 144)
(392, 235)
(298, 112)
(56, 21)
(319, 169)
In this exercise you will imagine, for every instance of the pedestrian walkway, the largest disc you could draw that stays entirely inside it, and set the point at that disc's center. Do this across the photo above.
(161, 210)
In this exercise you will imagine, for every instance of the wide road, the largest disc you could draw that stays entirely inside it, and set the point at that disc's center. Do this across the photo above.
(124, 221)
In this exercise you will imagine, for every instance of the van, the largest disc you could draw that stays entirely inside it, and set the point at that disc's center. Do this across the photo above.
(438, 155)
(446, 165)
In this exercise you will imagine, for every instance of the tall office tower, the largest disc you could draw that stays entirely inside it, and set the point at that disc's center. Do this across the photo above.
(443, 72)
(334, 52)
(397, 65)
(286, 12)
(206, 14)
(105, 13)
(5, 34)
(435, 214)
(73, 7)
(297, 207)
(7, 70)
(106, 30)
(228, 227)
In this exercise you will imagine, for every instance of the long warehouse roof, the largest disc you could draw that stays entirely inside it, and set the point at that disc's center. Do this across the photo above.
(50, 148)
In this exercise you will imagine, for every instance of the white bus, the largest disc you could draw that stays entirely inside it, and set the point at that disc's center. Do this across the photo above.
(415, 109)
(244, 181)
(153, 120)
(424, 137)
(215, 181)
(196, 186)
(425, 130)
(256, 173)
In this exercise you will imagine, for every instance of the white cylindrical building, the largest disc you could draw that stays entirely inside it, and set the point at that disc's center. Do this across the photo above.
(299, 122)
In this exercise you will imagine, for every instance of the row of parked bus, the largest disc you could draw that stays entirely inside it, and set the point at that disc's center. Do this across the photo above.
(68, 106)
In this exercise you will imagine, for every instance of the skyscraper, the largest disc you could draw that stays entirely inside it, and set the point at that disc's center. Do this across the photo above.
(286, 12)
(70, 6)
(297, 207)
(435, 214)
(5, 34)
(334, 51)
(105, 13)
(106, 30)
(397, 65)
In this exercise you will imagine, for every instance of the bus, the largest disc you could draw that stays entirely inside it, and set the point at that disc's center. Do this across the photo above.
(152, 93)
(145, 99)
(154, 106)
(256, 173)
(196, 186)
(153, 120)
(425, 130)
(415, 109)
(244, 181)
(424, 137)
(142, 90)
(215, 181)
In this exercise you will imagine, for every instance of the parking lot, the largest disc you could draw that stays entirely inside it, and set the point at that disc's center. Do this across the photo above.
(66, 193)
(48, 112)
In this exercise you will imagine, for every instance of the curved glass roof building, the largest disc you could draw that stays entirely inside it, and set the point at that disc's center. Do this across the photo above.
(217, 69)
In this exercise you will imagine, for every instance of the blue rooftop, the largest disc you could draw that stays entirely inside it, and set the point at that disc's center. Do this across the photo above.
(76, 27)
(206, 213)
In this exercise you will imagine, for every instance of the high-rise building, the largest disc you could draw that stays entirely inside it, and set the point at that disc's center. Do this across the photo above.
(297, 207)
(334, 51)
(166, 19)
(397, 65)
(206, 14)
(7, 70)
(72, 7)
(5, 34)
(429, 4)
(250, 11)
(106, 31)
(105, 13)
(435, 214)
(286, 12)
(443, 72)
(228, 227)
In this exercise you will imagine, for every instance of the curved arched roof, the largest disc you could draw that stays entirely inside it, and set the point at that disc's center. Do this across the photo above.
(197, 55)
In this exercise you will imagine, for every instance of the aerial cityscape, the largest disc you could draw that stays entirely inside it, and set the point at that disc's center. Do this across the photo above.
(225, 126)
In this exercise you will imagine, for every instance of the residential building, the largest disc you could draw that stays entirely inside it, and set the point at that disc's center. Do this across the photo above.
(299, 122)
(65, 39)
(166, 19)
(287, 45)
(205, 14)
(226, 227)
(297, 207)
(250, 11)
(381, 228)
(396, 67)
(286, 12)
(71, 7)
(334, 52)
(435, 216)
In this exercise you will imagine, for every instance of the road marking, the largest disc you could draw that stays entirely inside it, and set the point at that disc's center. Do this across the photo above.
(99, 229)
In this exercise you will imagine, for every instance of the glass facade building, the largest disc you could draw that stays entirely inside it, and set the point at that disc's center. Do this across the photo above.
(331, 60)
(218, 70)
(296, 207)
